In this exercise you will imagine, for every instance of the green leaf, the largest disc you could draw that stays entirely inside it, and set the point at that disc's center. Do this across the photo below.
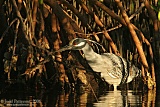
(159, 15)
(155, 8)
(158, 3)
(131, 7)
(40, 1)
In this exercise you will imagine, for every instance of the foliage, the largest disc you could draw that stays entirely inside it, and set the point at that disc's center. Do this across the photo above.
(157, 8)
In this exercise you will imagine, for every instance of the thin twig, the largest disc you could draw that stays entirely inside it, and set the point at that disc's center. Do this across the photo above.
(93, 91)
(21, 21)
(118, 26)
(7, 29)
(37, 66)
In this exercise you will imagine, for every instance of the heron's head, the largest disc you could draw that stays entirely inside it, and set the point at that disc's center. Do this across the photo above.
(77, 43)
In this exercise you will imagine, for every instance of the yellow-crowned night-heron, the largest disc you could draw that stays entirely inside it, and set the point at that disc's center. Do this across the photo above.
(114, 69)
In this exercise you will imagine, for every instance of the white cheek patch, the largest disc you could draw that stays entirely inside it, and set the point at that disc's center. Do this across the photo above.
(81, 44)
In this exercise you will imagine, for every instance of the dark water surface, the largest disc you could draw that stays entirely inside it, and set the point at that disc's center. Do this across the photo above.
(52, 98)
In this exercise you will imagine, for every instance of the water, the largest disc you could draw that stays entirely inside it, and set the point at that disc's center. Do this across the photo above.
(52, 98)
(122, 99)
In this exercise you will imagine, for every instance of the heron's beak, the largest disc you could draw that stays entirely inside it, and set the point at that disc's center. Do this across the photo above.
(67, 47)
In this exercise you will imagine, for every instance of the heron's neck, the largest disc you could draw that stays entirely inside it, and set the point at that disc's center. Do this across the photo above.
(88, 52)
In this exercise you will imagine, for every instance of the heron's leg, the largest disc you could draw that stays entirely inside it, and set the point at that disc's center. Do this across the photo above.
(115, 87)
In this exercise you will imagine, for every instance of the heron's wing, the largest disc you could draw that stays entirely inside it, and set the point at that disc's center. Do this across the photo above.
(114, 65)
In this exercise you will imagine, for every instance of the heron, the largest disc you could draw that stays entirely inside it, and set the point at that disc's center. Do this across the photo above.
(113, 68)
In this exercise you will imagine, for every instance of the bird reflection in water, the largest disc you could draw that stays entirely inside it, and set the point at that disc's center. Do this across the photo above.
(128, 98)
(117, 98)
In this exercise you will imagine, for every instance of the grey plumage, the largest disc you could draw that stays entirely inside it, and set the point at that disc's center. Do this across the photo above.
(114, 69)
